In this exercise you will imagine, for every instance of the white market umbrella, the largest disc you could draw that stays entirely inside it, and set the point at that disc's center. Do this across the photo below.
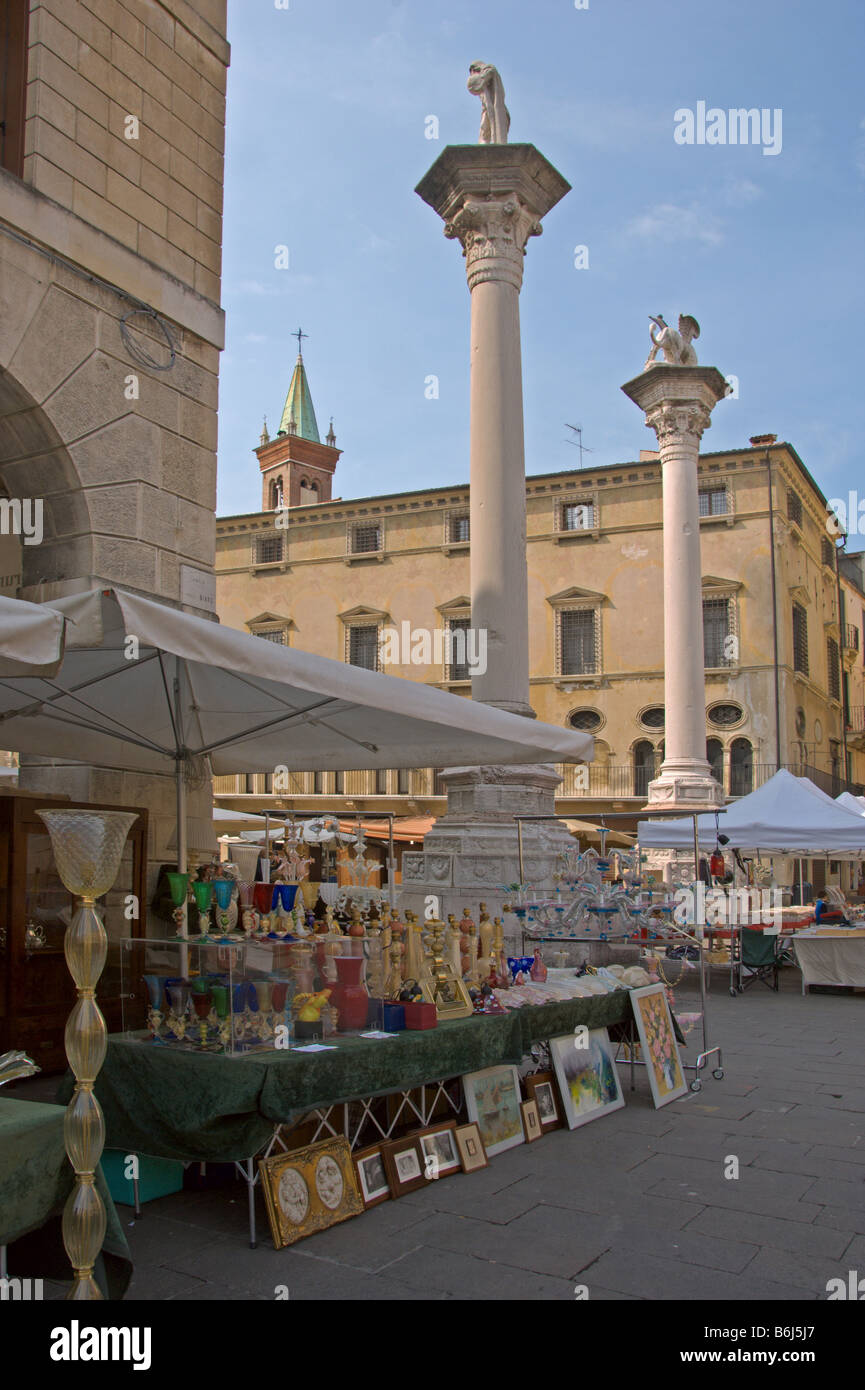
(783, 816)
(127, 682)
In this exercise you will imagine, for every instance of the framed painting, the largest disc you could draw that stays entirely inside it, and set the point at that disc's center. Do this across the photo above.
(658, 1044)
(471, 1148)
(541, 1088)
(404, 1165)
(309, 1189)
(371, 1175)
(439, 1149)
(493, 1102)
(531, 1121)
(588, 1081)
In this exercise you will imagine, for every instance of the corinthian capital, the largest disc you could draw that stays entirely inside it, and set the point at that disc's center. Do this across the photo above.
(493, 233)
(677, 420)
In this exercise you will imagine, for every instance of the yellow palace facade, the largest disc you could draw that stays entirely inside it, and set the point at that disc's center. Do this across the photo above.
(384, 582)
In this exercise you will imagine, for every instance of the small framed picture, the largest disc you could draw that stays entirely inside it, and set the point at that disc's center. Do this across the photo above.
(309, 1189)
(439, 1149)
(541, 1088)
(531, 1120)
(658, 1043)
(404, 1164)
(371, 1176)
(471, 1149)
(493, 1099)
(588, 1081)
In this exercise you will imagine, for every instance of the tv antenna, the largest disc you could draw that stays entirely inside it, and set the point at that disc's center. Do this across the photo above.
(578, 442)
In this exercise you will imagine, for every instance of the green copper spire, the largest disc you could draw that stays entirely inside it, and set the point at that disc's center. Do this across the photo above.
(298, 417)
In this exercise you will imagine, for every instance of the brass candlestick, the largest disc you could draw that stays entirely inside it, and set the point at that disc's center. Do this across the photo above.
(87, 847)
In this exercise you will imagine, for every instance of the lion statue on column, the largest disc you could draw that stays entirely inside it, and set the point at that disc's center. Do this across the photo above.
(676, 347)
(485, 82)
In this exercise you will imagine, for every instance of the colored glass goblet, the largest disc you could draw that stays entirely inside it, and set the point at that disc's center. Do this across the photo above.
(203, 894)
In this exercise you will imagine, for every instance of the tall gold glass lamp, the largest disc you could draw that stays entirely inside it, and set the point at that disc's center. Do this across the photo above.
(87, 848)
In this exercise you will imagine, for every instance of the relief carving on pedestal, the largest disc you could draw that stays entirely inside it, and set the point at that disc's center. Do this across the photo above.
(413, 867)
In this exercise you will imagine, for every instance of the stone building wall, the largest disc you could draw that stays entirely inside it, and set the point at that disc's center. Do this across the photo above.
(110, 320)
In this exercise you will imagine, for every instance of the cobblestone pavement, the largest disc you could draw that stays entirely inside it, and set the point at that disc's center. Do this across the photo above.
(635, 1205)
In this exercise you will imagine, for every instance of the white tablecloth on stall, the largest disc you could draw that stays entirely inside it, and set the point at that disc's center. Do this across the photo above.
(831, 960)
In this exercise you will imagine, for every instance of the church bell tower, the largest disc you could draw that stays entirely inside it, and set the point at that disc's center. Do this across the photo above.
(296, 468)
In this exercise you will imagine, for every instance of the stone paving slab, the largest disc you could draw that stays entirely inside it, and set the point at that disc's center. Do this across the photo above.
(649, 1275)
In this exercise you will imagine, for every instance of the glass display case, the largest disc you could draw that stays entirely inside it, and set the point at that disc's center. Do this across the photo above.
(242, 996)
(36, 989)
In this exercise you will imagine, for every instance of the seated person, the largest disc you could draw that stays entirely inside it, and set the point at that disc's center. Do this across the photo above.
(825, 912)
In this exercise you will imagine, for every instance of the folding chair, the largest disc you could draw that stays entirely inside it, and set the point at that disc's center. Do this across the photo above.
(759, 957)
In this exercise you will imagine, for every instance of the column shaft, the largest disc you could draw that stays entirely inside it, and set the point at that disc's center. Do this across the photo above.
(499, 584)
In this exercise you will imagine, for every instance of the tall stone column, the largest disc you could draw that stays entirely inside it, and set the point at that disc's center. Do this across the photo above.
(678, 403)
(492, 198)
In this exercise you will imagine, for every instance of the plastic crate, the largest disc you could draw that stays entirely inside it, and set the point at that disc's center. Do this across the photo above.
(157, 1177)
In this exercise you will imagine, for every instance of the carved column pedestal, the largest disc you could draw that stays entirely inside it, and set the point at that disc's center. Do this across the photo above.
(471, 852)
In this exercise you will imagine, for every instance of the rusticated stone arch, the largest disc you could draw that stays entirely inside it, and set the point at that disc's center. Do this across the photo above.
(35, 464)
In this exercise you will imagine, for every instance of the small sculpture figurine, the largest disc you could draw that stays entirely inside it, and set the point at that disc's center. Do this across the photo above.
(538, 971)
(676, 347)
(311, 1006)
(485, 82)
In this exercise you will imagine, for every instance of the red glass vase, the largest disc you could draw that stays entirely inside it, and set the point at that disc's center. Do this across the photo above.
(350, 996)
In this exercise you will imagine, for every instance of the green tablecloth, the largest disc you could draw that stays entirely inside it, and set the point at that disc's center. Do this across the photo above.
(204, 1106)
(35, 1180)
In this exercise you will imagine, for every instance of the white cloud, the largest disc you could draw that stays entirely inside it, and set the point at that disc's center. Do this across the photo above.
(669, 222)
(740, 192)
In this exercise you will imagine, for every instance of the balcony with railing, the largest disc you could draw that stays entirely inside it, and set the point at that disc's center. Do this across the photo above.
(855, 722)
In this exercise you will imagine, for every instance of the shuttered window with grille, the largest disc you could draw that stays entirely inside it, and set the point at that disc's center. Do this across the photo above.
(362, 642)
(833, 664)
(717, 627)
(578, 641)
(800, 639)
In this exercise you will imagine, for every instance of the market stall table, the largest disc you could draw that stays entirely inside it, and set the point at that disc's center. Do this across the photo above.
(831, 956)
(35, 1180)
(208, 1107)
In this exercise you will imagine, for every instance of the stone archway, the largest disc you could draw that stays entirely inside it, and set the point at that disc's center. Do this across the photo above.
(37, 472)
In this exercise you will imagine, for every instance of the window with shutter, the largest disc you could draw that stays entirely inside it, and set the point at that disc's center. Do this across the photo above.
(578, 648)
(800, 639)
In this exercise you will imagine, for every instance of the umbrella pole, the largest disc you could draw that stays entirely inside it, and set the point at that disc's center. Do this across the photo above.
(265, 863)
(182, 858)
(801, 882)
(180, 786)
(391, 867)
(699, 932)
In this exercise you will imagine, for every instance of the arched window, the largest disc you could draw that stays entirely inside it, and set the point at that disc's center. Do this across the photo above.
(715, 758)
(276, 494)
(644, 766)
(741, 767)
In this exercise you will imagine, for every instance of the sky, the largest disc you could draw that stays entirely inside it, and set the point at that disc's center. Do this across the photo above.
(328, 107)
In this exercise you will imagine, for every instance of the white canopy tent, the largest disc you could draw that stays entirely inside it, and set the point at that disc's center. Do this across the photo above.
(856, 804)
(783, 816)
(117, 680)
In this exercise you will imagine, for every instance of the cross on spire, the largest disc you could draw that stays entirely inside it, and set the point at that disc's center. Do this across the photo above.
(298, 335)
